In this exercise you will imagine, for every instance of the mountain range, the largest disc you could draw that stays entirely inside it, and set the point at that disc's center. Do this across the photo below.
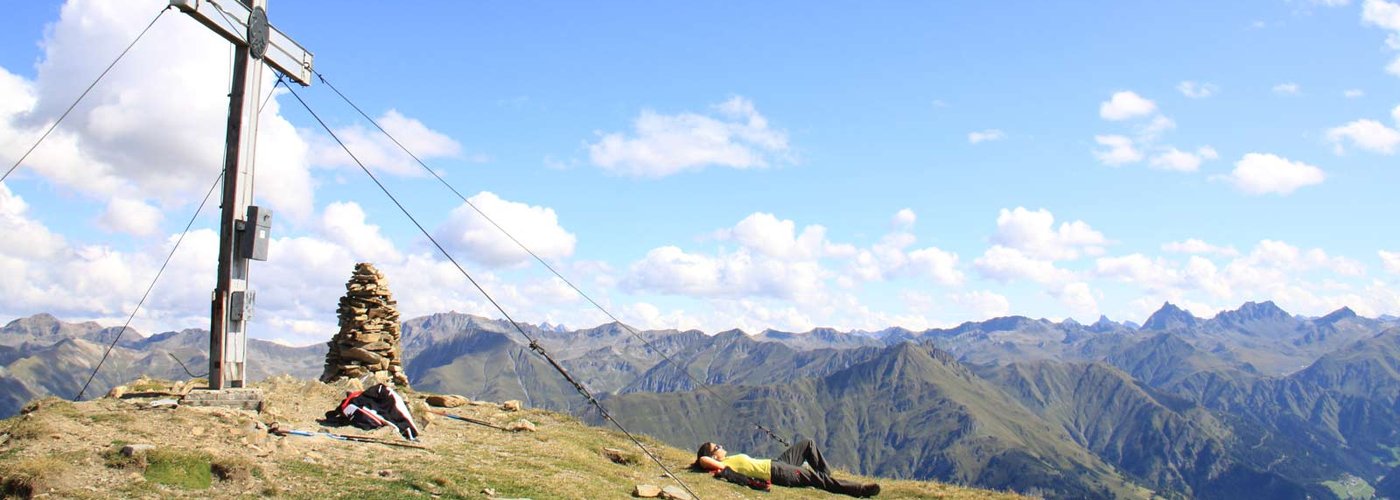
(1253, 402)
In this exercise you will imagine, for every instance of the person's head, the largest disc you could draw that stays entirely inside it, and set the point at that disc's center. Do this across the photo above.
(709, 449)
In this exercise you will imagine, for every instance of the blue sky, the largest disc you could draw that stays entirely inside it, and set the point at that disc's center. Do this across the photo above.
(721, 165)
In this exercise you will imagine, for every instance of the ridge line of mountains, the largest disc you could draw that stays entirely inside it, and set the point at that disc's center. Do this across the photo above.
(1253, 402)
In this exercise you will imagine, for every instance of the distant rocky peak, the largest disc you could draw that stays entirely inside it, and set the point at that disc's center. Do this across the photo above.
(1338, 315)
(894, 330)
(1006, 323)
(46, 326)
(826, 332)
(1168, 317)
(37, 319)
(1266, 310)
(732, 333)
(1256, 311)
(913, 354)
(1104, 324)
(550, 327)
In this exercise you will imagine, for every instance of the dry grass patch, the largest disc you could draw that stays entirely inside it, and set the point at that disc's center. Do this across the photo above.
(26, 427)
(149, 385)
(30, 476)
(50, 404)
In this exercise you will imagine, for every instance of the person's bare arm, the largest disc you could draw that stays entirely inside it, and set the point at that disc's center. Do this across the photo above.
(709, 463)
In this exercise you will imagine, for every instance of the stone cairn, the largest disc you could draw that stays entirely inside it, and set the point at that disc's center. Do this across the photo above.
(368, 341)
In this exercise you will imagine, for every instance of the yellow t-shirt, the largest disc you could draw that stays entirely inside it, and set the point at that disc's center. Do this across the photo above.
(751, 467)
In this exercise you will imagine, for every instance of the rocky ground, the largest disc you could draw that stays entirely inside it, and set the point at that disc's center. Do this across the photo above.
(74, 450)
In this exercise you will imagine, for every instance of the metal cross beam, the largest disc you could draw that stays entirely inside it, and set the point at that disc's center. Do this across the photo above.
(232, 19)
(243, 23)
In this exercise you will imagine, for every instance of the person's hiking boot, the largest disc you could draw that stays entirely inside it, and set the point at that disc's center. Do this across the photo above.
(869, 490)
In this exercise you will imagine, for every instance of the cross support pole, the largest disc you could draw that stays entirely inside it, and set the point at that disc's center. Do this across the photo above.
(243, 229)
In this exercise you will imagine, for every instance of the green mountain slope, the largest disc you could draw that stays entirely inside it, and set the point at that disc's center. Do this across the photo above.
(910, 412)
(1156, 439)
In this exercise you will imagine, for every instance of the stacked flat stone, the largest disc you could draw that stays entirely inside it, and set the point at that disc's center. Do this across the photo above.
(368, 341)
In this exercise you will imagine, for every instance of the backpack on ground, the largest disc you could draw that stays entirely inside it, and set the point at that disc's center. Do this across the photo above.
(372, 408)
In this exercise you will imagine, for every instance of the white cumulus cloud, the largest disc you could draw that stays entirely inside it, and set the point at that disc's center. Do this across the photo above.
(1125, 105)
(1183, 161)
(773, 237)
(1307, 281)
(1007, 265)
(776, 260)
(1080, 300)
(1381, 13)
(1260, 173)
(25, 237)
(890, 258)
(1385, 15)
(1390, 261)
(130, 216)
(1369, 135)
(904, 218)
(1117, 149)
(981, 305)
(1120, 150)
(154, 128)
(1152, 274)
(536, 227)
(671, 270)
(1195, 246)
(737, 136)
(378, 152)
(344, 223)
(1152, 130)
(44, 272)
(1033, 233)
(939, 265)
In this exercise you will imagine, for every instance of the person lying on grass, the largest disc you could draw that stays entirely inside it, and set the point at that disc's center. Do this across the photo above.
(786, 470)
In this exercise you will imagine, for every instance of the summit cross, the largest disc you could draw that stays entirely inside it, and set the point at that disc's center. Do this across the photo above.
(243, 228)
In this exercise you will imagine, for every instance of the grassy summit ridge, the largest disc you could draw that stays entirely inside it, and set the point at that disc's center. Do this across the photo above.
(71, 450)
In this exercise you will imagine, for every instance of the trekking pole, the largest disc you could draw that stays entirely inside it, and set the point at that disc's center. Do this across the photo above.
(345, 437)
(468, 419)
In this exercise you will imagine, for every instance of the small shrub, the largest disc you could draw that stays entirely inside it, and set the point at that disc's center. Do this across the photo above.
(114, 458)
(233, 469)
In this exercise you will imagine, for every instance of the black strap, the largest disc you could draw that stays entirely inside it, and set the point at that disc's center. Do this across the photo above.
(735, 477)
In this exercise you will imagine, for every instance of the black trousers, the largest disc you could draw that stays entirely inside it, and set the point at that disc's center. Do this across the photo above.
(787, 470)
